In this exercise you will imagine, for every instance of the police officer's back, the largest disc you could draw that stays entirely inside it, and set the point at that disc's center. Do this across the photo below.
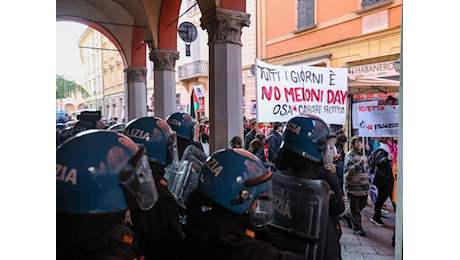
(306, 152)
(232, 198)
(159, 227)
(185, 127)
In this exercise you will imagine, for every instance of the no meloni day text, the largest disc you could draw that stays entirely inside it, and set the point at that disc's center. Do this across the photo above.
(288, 91)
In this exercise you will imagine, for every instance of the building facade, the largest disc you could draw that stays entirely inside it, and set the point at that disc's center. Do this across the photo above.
(361, 35)
(113, 80)
(192, 66)
(103, 75)
(90, 44)
(249, 53)
(193, 70)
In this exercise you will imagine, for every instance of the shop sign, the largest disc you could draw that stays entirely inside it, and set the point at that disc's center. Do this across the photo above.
(377, 70)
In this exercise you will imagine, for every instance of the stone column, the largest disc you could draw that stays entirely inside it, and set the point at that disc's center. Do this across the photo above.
(225, 75)
(136, 93)
(164, 84)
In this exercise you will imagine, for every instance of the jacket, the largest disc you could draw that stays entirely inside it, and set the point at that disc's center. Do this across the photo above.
(248, 138)
(384, 174)
(159, 227)
(356, 174)
(274, 143)
(95, 237)
(222, 234)
(260, 153)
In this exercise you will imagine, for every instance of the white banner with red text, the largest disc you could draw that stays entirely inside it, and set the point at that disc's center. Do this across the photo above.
(287, 91)
(377, 120)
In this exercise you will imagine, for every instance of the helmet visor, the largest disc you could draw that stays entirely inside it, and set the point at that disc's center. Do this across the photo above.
(261, 210)
(138, 179)
(194, 133)
(329, 154)
(173, 149)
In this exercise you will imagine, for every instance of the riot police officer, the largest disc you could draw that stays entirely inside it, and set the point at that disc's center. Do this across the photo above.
(159, 227)
(232, 199)
(185, 127)
(306, 152)
(86, 120)
(95, 170)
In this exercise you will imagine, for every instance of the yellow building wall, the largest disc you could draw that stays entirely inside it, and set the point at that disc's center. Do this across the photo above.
(349, 53)
(339, 30)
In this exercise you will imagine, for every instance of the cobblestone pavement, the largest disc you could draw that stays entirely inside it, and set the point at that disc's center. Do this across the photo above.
(377, 242)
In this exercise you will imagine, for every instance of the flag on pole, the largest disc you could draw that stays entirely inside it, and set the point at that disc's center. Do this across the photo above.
(193, 105)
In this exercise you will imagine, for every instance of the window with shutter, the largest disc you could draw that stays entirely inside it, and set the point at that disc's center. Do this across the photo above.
(305, 13)
(367, 3)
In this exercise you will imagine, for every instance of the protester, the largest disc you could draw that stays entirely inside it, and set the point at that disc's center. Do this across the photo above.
(373, 191)
(357, 183)
(393, 197)
(339, 162)
(236, 142)
(204, 138)
(251, 134)
(367, 146)
(247, 124)
(395, 170)
(256, 147)
(336, 129)
(340, 157)
(383, 178)
(303, 155)
(233, 198)
(274, 142)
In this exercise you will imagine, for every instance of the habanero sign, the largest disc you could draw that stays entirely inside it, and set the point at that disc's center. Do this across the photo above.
(377, 70)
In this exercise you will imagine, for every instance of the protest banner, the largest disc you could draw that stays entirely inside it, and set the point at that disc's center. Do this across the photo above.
(378, 120)
(283, 92)
(253, 107)
(375, 97)
(199, 92)
(355, 111)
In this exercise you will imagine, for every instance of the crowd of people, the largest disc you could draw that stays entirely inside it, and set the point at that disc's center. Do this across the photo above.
(358, 180)
(113, 200)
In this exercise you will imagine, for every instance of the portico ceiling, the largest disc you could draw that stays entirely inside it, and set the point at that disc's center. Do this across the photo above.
(130, 24)
(121, 20)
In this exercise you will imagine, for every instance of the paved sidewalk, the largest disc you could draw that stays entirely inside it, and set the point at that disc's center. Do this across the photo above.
(376, 244)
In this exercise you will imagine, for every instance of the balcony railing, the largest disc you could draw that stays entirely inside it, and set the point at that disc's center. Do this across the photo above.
(196, 68)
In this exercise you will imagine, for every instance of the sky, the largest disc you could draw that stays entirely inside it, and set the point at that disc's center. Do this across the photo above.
(68, 61)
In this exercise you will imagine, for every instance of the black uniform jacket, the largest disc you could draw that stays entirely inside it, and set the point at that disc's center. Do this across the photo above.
(221, 234)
